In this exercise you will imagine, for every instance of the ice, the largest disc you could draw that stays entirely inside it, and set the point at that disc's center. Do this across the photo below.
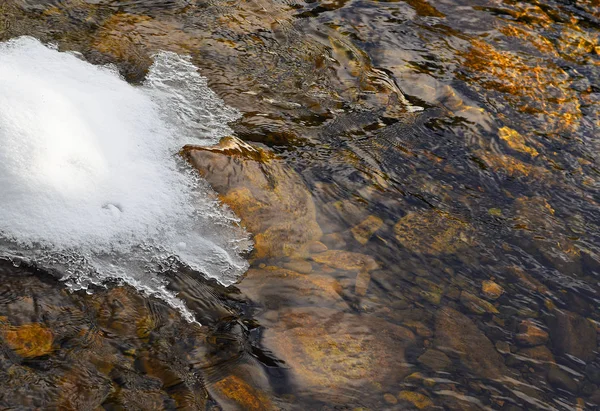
(90, 180)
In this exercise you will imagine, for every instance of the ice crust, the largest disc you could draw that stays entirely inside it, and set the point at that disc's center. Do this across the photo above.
(91, 183)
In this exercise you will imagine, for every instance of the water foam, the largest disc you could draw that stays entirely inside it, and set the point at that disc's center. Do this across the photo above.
(90, 180)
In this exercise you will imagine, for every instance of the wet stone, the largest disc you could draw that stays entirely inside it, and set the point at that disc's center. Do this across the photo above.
(417, 399)
(434, 359)
(560, 379)
(28, 340)
(531, 334)
(365, 230)
(573, 334)
(456, 333)
(345, 260)
(476, 304)
(491, 289)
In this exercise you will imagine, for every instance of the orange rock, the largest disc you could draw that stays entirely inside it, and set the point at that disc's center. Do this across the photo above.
(29, 340)
(491, 289)
(243, 394)
(345, 260)
(417, 399)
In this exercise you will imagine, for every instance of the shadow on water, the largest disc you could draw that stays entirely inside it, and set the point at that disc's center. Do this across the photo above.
(423, 190)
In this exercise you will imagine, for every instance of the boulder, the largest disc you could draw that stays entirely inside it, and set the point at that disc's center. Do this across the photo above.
(270, 198)
(455, 332)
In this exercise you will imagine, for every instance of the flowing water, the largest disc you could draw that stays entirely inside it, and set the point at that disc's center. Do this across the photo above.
(420, 180)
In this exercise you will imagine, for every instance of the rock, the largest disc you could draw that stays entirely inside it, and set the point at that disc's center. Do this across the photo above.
(503, 347)
(29, 340)
(334, 240)
(491, 290)
(531, 334)
(434, 359)
(269, 197)
(327, 350)
(417, 399)
(516, 141)
(300, 266)
(345, 260)
(574, 335)
(390, 399)
(290, 287)
(365, 230)
(418, 327)
(455, 332)
(433, 232)
(241, 395)
(476, 304)
(560, 379)
(540, 353)
(317, 247)
(361, 285)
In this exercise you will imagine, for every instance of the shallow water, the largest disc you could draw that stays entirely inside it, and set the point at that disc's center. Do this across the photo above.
(426, 218)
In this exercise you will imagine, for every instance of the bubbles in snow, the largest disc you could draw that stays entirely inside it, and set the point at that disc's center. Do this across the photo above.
(90, 180)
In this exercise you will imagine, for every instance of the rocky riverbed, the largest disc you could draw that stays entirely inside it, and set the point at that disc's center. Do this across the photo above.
(420, 180)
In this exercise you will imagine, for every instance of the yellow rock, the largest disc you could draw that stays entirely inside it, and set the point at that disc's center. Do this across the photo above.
(390, 399)
(329, 350)
(269, 197)
(290, 284)
(365, 230)
(363, 279)
(345, 260)
(244, 395)
(433, 232)
(29, 340)
(419, 400)
(476, 304)
(491, 289)
(516, 141)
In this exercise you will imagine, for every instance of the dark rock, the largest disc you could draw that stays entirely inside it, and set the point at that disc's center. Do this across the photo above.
(455, 332)
(560, 379)
(572, 334)
(531, 334)
(434, 359)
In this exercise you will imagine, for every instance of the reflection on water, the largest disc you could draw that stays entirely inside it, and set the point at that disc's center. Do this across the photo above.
(422, 188)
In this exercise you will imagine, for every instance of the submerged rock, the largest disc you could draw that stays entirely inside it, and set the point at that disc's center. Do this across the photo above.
(239, 394)
(269, 197)
(574, 335)
(456, 333)
(331, 351)
(29, 340)
(491, 289)
(530, 334)
(433, 232)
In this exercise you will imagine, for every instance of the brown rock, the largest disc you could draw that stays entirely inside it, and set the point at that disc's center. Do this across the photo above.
(270, 198)
(345, 260)
(242, 395)
(540, 353)
(365, 230)
(432, 232)
(363, 280)
(300, 266)
(572, 334)
(455, 332)
(560, 379)
(419, 400)
(491, 290)
(434, 359)
(290, 286)
(317, 247)
(330, 350)
(29, 340)
(531, 334)
(476, 304)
